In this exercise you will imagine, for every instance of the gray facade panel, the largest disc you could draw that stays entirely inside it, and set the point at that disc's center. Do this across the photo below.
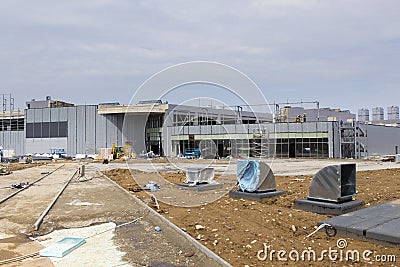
(13, 140)
(46, 115)
(333, 139)
(29, 115)
(44, 145)
(54, 114)
(120, 122)
(101, 132)
(382, 140)
(62, 114)
(133, 131)
(81, 130)
(295, 127)
(91, 129)
(111, 130)
(310, 127)
(282, 128)
(71, 150)
(323, 126)
(38, 115)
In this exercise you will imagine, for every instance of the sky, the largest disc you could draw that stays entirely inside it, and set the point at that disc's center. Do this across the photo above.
(343, 53)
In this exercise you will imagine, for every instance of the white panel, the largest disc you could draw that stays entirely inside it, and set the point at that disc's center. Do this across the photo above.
(43, 145)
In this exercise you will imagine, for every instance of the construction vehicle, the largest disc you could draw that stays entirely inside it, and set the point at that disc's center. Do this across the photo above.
(121, 151)
(117, 151)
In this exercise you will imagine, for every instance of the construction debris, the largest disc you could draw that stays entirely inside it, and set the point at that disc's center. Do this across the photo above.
(20, 185)
(152, 186)
(62, 247)
(4, 171)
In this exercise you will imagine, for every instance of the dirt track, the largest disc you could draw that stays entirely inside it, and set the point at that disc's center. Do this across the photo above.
(237, 229)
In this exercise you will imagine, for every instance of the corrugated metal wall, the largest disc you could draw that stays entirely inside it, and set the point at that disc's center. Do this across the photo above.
(87, 130)
(133, 132)
(13, 140)
(382, 140)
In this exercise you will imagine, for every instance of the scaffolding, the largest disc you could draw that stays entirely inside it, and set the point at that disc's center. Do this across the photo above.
(259, 147)
(11, 121)
(353, 141)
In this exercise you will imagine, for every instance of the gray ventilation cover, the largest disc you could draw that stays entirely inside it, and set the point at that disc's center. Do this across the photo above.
(336, 183)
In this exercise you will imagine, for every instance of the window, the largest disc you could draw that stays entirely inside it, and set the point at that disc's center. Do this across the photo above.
(47, 129)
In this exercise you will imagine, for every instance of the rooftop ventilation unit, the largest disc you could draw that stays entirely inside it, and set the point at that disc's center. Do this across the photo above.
(200, 179)
(254, 176)
(199, 175)
(256, 181)
(331, 191)
(336, 183)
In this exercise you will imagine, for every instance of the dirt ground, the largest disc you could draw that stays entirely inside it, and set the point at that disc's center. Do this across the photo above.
(15, 166)
(237, 230)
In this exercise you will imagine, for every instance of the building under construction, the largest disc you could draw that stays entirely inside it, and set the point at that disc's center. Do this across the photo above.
(170, 130)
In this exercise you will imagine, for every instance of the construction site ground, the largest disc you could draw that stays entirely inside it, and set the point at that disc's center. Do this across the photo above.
(236, 230)
(91, 201)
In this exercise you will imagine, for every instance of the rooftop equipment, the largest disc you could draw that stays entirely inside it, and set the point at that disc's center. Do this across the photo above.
(331, 191)
(336, 183)
(256, 181)
(200, 179)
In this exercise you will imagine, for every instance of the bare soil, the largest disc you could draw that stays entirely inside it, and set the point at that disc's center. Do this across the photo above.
(237, 229)
(15, 166)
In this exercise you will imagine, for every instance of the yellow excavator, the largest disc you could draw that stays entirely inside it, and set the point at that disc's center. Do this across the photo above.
(120, 151)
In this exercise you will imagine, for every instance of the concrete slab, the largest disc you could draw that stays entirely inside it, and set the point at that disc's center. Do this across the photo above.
(99, 250)
(93, 202)
(379, 223)
(360, 227)
(260, 197)
(388, 231)
(327, 207)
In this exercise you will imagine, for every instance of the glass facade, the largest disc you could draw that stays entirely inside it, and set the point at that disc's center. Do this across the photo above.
(47, 129)
(300, 147)
(153, 133)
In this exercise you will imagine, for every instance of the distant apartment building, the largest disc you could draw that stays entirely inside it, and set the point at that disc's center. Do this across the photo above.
(363, 115)
(378, 114)
(393, 113)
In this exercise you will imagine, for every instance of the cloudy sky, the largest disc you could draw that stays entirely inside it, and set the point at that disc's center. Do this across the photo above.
(343, 53)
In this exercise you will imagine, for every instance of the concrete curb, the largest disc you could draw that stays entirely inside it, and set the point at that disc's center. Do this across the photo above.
(201, 247)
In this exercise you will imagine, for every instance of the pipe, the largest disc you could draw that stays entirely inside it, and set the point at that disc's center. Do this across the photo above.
(40, 219)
